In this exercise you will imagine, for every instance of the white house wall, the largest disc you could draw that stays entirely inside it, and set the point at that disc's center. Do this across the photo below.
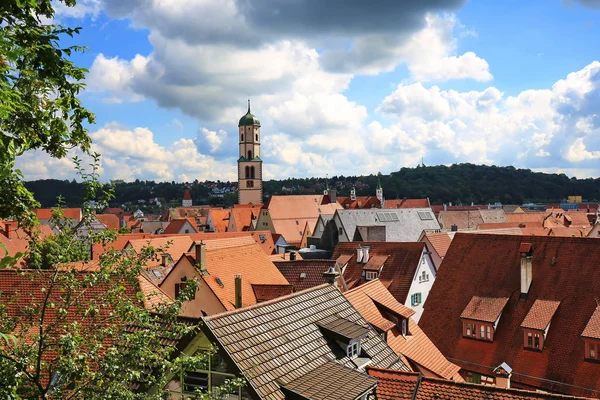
(425, 264)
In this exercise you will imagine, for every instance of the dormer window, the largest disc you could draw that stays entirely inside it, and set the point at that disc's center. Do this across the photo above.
(481, 316)
(537, 323)
(370, 275)
(591, 336)
(353, 349)
(347, 335)
(404, 327)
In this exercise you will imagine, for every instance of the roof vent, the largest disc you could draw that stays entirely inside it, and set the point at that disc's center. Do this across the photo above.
(302, 275)
(219, 282)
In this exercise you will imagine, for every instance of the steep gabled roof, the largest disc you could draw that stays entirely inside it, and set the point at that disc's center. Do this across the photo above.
(401, 225)
(244, 216)
(110, 221)
(398, 270)
(176, 225)
(564, 269)
(374, 301)
(360, 202)
(219, 218)
(470, 219)
(277, 342)
(395, 385)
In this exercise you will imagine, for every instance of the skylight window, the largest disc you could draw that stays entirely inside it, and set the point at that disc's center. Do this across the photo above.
(387, 217)
(425, 215)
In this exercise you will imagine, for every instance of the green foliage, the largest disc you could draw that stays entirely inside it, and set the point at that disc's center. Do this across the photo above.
(39, 84)
(57, 249)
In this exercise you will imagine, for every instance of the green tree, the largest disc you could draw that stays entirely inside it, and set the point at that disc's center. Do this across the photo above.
(39, 84)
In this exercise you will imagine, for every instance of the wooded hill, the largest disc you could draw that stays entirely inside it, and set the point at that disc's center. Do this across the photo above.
(459, 183)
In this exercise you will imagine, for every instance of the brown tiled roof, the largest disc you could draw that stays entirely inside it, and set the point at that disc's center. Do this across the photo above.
(440, 242)
(528, 218)
(332, 381)
(540, 314)
(373, 301)
(564, 269)
(570, 231)
(244, 216)
(395, 385)
(592, 329)
(277, 342)
(470, 219)
(398, 270)
(342, 329)
(304, 274)
(376, 262)
(407, 203)
(264, 292)
(486, 309)
(68, 213)
(175, 226)
(111, 221)
(219, 218)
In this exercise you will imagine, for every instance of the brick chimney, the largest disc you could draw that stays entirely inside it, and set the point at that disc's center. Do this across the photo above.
(330, 275)
(201, 253)
(503, 373)
(10, 228)
(526, 251)
(238, 290)
(332, 193)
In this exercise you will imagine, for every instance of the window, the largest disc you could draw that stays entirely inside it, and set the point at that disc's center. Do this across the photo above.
(468, 329)
(415, 299)
(482, 332)
(424, 276)
(249, 154)
(404, 327)
(257, 137)
(179, 288)
(252, 172)
(488, 333)
(370, 275)
(529, 340)
(536, 340)
(250, 184)
(340, 231)
(353, 349)
(241, 138)
(592, 352)
(247, 170)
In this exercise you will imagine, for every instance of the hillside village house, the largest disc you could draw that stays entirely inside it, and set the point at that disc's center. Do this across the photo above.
(375, 225)
(311, 344)
(290, 215)
(405, 269)
(527, 301)
(396, 325)
(231, 273)
(306, 274)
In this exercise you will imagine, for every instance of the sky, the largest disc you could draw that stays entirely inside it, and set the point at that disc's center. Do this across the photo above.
(342, 87)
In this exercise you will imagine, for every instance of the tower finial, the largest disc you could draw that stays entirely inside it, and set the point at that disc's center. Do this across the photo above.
(248, 106)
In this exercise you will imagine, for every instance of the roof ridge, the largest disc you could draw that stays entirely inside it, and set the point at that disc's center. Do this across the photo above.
(362, 286)
(265, 303)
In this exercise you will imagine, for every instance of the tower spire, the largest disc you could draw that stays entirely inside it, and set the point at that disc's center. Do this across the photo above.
(248, 106)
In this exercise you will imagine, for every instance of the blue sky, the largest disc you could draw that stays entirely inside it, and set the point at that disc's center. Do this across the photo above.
(340, 88)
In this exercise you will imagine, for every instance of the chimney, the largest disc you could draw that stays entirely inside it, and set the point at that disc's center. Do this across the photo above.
(366, 254)
(164, 259)
(353, 193)
(10, 228)
(201, 253)
(359, 253)
(238, 290)
(526, 250)
(292, 255)
(332, 193)
(445, 207)
(503, 373)
(330, 275)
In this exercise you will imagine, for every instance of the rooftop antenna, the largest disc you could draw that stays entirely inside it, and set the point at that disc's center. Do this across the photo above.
(248, 106)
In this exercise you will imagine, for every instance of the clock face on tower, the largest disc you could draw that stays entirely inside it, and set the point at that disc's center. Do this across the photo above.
(249, 161)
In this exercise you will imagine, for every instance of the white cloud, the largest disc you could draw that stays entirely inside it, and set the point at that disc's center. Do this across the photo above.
(465, 66)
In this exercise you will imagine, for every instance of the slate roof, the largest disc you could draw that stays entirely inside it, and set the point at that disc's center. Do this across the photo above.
(398, 269)
(332, 381)
(486, 309)
(374, 302)
(277, 342)
(408, 228)
(564, 269)
(540, 314)
(304, 274)
(395, 385)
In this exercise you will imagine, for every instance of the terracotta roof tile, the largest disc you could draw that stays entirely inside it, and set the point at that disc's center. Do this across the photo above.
(534, 217)
(395, 385)
(407, 203)
(398, 270)
(304, 274)
(187, 195)
(369, 299)
(243, 217)
(111, 221)
(470, 219)
(176, 225)
(486, 309)
(219, 218)
(282, 335)
(376, 262)
(540, 314)
(440, 242)
(592, 329)
(69, 213)
(489, 265)
(360, 202)
(264, 292)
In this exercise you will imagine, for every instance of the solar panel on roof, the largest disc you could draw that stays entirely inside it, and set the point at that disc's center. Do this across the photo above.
(425, 215)
(382, 217)
(393, 217)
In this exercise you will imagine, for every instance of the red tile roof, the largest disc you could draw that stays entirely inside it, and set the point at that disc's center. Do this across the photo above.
(540, 314)
(396, 385)
(187, 195)
(265, 292)
(374, 302)
(398, 270)
(304, 274)
(219, 218)
(592, 329)
(111, 221)
(176, 225)
(407, 203)
(360, 202)
(243, 217)
(69, 213)
(564, 269)
(486, 309)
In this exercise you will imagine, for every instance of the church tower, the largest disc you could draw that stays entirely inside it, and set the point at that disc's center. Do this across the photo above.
(379, 193)
(250, 190)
